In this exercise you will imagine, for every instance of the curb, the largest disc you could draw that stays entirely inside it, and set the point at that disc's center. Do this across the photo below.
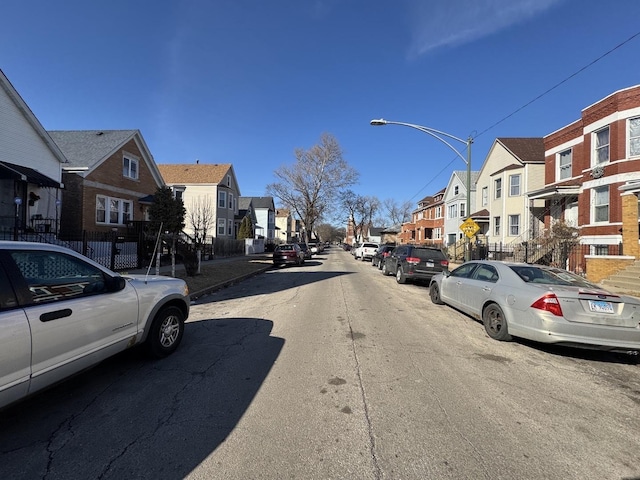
(226, 283)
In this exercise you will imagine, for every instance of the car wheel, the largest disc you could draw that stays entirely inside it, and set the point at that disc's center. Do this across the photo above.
(495, 324)
(400, 276)
(384, 269)
(434, 293)
(166, 332)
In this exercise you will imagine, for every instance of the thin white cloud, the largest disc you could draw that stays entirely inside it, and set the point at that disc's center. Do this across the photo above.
(449, 23)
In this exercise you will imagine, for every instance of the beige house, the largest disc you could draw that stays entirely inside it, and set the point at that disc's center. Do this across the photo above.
(513, 167)
(285, 226)
(210, 195)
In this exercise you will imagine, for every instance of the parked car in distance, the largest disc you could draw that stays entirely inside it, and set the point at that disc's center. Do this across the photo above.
(61, 313)
(305, 250)
(539, 303)
(382, 253)
(354, 248)
(288, 254)
(412, 262)
(313, 247)
(366, 251)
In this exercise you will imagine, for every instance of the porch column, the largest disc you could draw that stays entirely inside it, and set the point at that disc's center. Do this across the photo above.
(630, 225)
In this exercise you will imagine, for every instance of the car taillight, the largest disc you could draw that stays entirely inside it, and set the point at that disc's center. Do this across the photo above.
(415, 260)
(444, 263)
(386, 254)
(549, 303)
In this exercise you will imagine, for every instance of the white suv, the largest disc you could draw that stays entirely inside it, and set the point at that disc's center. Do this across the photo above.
(61, 312)
(366, 251)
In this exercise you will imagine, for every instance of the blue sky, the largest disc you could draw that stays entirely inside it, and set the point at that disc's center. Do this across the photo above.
(248, 81)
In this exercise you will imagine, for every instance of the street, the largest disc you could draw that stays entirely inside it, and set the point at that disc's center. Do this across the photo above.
(332, 371)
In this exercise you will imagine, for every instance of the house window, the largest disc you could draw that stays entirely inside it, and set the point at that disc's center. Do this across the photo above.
(498, 187)
(437, 234)
(453, 211)
(438, 212)
(130, 168)
(564, 160)
(462, 214)
(514, 185)
(600, 250)
(222, 199)
(231, 201)
(601, 146)
(485, 196)
(222, 226)
(496, 226)
(178, 193)
(601, 204)
(113, 211)
(634, 137)
(229, 228)
(228, 180)
(456, 190)
(514, 225)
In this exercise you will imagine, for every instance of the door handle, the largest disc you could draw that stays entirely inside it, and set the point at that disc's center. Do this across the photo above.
(47, 317)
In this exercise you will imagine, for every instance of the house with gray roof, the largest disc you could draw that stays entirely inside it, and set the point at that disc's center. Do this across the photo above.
(265, 212)
(109, 179)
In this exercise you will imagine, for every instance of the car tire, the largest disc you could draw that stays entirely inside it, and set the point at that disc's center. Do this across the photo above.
(400, 276)
(384, 269)
(434, 293)
(166, 332)
(495, 324)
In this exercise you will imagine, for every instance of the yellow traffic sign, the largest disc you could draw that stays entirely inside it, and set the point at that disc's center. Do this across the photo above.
(469, 227)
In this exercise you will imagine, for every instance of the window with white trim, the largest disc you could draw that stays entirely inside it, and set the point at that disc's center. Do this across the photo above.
(438, 212)
(564, 160)
(231, 201)
(514, 225)
(634, 137)
(113, 211)
(453, 211)
(601, 146)
(600, 196)
(437, 233)
(485, 196)
(222, 199)
(496, 226)
(456, 190)
(230, 228)
(514, 185)
(222, 226)
(130, 168)
(462, 214)
(498, 187)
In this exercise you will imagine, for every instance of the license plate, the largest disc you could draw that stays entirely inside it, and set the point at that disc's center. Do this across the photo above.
(430, 264)
(599, 306)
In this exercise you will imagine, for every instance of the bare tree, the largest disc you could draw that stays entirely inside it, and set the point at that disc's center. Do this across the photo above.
(397, 213)
(362, 210)
(311, 186)
(201, 217)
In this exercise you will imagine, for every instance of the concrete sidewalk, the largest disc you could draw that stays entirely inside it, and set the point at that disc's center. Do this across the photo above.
(166, 269)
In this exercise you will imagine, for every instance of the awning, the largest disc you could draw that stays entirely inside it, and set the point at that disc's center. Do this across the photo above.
(554, 192)
(26, 174)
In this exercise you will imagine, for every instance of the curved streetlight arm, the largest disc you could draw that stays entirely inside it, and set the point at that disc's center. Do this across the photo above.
(430, 131)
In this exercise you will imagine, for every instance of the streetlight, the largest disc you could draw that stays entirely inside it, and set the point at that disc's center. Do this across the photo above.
(437, 134)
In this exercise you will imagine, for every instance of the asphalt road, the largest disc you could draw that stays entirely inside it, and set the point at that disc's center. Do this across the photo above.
(332, 371)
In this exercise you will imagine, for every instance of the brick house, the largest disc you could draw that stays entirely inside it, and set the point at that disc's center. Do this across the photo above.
(109, 180)
(427, 222)
(588, 166)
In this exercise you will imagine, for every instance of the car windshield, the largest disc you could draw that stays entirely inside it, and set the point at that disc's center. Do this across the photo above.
(551, 276)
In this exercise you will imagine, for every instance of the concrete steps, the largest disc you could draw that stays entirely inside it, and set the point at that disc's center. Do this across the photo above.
(625, 281)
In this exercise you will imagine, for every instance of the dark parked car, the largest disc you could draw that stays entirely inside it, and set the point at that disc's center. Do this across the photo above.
(382, 253)
(288, 254)
(411, 262)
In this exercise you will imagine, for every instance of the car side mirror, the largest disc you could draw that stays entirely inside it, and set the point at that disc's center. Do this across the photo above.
(115, 284)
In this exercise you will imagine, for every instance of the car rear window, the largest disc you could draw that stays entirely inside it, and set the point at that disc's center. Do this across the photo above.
(427, 254)
(370, 245)
(285, 247)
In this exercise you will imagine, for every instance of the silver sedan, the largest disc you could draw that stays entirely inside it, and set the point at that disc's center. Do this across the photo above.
(540, 303)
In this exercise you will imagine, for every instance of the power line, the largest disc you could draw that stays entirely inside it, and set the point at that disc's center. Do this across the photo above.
(560, 83)
(546, 92)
